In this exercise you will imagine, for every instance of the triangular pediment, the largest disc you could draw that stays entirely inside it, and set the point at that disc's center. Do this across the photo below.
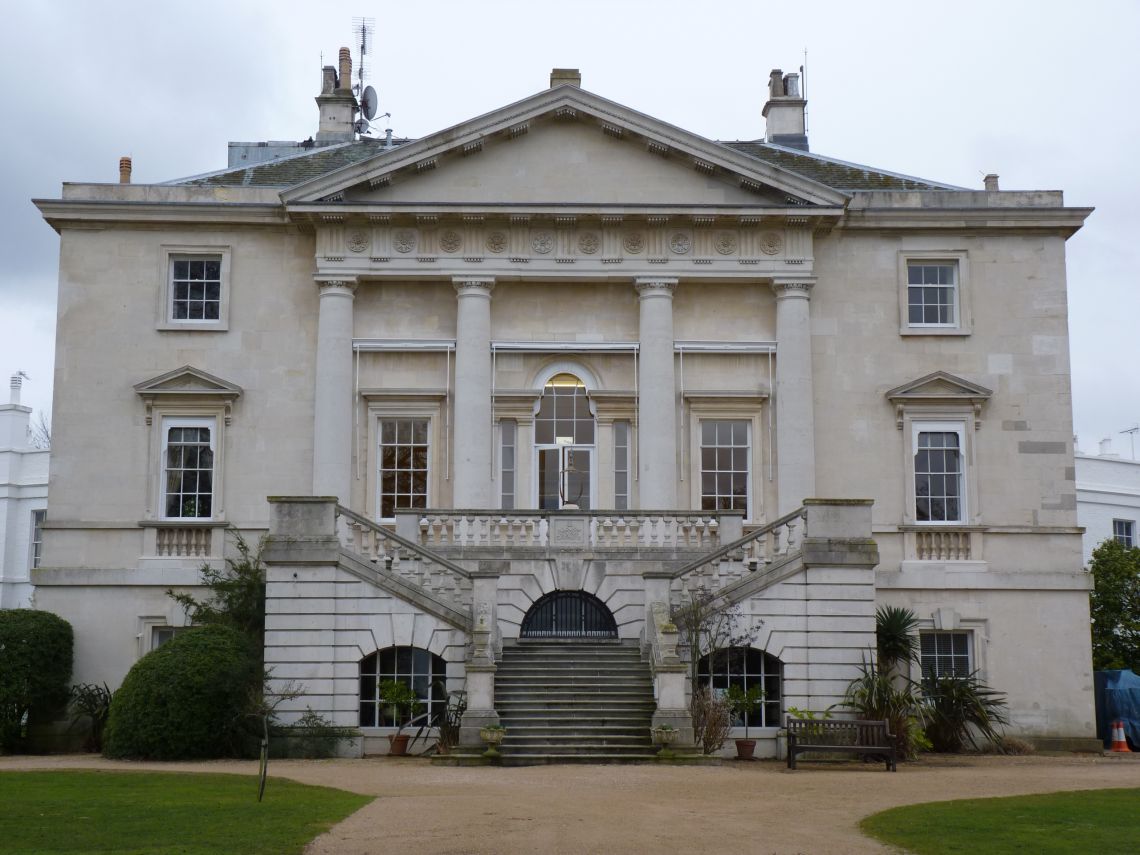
(565, 146)
(939, 387)
(188, 380)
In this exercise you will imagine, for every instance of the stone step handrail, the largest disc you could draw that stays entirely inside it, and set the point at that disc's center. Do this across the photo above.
(779, 539)
(608, 529)
(446, 580)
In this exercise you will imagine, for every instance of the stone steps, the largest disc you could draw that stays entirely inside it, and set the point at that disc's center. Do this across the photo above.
(574, 702)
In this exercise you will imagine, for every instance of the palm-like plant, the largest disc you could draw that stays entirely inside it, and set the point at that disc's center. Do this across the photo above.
(960, 705)
(896, 637)
(877, 695)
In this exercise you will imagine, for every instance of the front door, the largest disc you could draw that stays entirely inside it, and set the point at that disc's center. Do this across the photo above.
(564, 477)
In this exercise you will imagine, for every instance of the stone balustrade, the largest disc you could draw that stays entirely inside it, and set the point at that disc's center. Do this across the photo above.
(606, 529)
(448, 582)
(183, 542)
(942, 543)
(773, 543)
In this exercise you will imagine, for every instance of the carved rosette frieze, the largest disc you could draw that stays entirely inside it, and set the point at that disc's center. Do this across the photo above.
(753, 246)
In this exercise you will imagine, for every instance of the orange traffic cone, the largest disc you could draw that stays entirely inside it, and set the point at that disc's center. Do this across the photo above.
(1119, 743)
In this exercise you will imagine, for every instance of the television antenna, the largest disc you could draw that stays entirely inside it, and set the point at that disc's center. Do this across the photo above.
(362, 34)
(1132, 431)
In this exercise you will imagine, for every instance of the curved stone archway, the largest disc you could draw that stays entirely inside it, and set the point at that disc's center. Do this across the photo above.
(568, 614)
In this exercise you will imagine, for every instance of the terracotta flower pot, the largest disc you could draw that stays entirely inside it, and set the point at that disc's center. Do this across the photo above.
(745, 748)
(398, 744)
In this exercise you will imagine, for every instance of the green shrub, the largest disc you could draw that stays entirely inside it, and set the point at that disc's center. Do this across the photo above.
(959, 706)
(188, 699)
(311, 737)
(35, 668)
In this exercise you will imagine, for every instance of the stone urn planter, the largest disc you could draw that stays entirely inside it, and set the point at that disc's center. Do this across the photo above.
(664, 735)
(493, 736)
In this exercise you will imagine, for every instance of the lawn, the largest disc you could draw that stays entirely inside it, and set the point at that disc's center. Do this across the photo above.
(1100, 821)
(144, 812)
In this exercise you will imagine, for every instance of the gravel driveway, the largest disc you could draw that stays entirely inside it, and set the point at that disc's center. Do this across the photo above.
(735, 808)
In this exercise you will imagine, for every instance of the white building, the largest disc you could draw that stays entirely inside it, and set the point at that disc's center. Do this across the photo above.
(1108, 498)
(565, 356)
(23, 501)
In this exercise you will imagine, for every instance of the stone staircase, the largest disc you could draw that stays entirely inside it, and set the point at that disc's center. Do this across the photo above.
(574, 701)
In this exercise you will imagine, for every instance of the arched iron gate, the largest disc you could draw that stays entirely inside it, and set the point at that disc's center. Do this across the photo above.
(569, 614)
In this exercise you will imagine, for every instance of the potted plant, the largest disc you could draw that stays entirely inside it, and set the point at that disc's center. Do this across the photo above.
(402, 701)
(493, 735)
(745, 703)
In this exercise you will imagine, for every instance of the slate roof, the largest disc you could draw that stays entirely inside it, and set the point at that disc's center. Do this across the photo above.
(289, 171)
(837, 174)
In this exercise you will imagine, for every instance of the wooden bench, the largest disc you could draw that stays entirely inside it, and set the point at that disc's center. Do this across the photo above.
(832, 737)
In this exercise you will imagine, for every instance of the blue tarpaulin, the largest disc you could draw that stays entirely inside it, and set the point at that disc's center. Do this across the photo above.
(1118, 698)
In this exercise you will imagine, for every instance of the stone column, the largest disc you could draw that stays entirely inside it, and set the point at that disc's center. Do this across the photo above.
(795, 424)
(657, 396)
(472, 485)
(332, 403)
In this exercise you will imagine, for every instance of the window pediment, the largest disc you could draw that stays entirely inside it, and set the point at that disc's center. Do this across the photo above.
(939, 390)
(187, 384)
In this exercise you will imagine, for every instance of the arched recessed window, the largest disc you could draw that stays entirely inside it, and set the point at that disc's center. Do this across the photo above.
(746, 667)
(564, 441)
(425, 672)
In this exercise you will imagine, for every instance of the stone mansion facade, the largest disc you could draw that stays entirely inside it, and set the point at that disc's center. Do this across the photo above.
(548, 372)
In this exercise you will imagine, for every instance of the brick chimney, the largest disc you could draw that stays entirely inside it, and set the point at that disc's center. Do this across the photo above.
(124, 170)
(991, 183)
(785, 111)
(336, 103)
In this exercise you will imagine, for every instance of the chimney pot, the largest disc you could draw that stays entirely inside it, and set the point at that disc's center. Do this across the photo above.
(17, 382)
(785, 111)
(991, 182)
(564, 76)
(345, 69)
(1105, 447)
(124, 173)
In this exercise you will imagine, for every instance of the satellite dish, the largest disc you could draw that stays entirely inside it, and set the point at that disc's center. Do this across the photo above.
(368, 103)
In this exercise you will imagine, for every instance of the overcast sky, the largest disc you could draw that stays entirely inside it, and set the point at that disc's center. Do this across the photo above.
(1043, 93)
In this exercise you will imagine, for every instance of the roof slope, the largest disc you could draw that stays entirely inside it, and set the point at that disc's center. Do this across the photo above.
(837, 174)
(290, 171)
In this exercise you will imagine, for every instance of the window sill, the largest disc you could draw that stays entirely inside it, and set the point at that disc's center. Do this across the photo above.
(174, 326)
(934, 331)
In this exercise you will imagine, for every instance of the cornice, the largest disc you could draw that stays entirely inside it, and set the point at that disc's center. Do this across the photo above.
(1065, 221)
(60, 213)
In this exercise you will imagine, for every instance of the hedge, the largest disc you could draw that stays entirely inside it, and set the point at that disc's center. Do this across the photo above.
(35, 668)
(188, 699)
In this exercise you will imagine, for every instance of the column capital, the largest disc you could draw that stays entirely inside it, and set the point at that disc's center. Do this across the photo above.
(474, 286)
(655, 286)
(793, 286)
(336, 285)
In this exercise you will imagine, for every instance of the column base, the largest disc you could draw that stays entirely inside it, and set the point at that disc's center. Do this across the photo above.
(473, 721)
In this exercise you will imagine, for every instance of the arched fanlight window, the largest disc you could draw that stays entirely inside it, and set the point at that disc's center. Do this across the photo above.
(746, 667)
(564, 413)
(421, 669)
